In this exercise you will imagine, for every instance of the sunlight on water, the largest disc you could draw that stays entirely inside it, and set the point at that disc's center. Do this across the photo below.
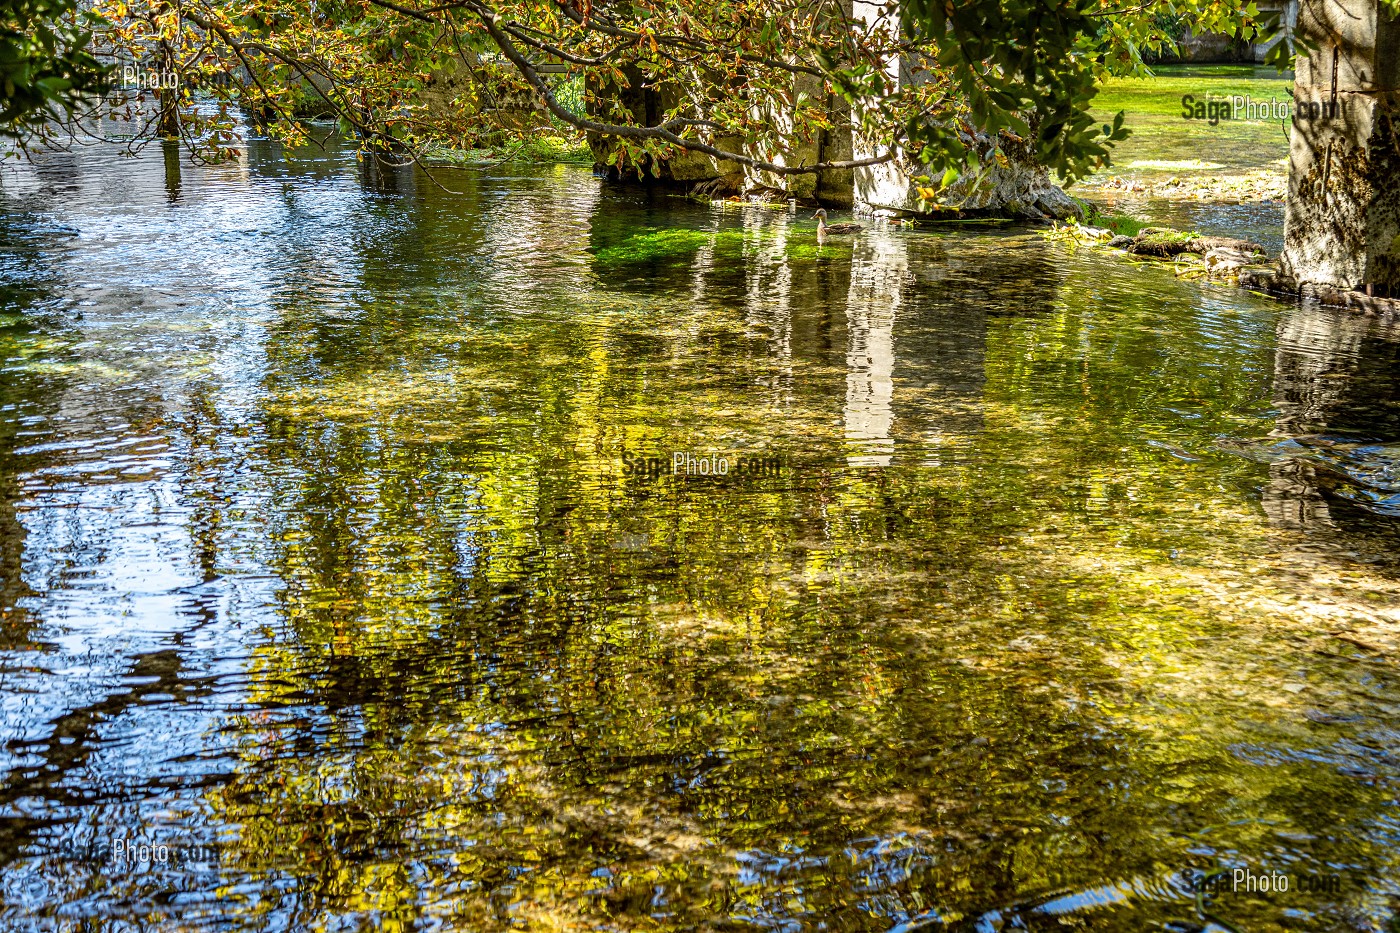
(344, 553)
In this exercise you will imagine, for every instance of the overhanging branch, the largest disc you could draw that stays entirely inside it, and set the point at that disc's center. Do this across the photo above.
(664, 132)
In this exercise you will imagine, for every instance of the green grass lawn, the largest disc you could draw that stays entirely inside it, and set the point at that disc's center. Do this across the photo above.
(1163, 141)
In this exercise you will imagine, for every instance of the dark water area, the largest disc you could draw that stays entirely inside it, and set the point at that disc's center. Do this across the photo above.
(342, 565)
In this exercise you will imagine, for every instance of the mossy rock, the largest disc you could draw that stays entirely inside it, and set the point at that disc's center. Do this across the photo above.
(1163, 243)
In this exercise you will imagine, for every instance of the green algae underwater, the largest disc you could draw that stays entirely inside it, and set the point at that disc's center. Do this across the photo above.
(321, 566)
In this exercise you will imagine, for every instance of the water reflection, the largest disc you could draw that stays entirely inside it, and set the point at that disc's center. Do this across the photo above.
(171, 154)
(1337, 372)
(345, 592)
(1338, 461)
(879, 269)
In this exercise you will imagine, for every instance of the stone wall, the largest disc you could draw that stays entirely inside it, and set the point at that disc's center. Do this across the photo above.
(1215, 48)
(647, 104)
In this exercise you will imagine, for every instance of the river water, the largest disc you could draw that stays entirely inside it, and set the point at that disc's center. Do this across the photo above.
(342, 562)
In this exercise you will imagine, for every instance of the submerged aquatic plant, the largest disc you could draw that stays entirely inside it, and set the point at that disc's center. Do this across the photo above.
(675, 243)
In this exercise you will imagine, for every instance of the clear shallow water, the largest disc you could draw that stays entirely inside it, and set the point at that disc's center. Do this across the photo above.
(1163, 145)
(323, 564)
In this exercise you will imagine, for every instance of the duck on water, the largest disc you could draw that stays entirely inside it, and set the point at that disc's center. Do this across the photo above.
(826, 229)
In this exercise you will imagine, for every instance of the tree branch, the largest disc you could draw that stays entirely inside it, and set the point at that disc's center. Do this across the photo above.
(490, 20)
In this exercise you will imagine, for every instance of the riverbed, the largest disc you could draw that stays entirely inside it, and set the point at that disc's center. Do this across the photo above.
(342, 564)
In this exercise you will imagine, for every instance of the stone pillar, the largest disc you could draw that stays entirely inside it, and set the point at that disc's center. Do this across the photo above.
(1343, 221)
(889, 185)
(1020, 188)
(783, 118)
(1288, 16)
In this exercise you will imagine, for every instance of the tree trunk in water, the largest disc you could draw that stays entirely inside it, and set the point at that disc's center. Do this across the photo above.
(168, 98)
(169, 125)
(1343, 224)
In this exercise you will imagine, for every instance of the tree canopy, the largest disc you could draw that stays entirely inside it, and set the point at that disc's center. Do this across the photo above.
(47, 68)
(923, 75)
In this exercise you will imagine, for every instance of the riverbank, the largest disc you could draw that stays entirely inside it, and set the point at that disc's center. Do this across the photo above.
(1181, 152)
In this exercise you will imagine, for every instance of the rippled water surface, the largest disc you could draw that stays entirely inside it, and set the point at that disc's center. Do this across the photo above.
(341, 556)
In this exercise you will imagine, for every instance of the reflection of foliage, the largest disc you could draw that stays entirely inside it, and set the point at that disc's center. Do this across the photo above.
(516, 686)
(491, 681)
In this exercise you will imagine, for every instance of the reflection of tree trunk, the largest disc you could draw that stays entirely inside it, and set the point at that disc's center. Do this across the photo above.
(170, 149)
(818, 333)
(385, 177)
(75, 738)
(13, 620)
(1336, 375)
(1292, 498)
(1313, 368)
(1336, 372)
(768, 294)
(169, 126)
